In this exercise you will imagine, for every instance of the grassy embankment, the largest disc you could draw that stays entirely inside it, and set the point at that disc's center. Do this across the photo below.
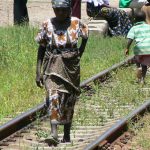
(18, 62)
(142, 136)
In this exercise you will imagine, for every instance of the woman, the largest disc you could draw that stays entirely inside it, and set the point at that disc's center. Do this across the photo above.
(59, 55)
(118, 20)
(20, 12)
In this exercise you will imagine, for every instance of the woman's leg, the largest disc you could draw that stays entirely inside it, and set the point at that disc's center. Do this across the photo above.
(54, 132)
(69, 102)
(60, 108)
(67, 128)
(51, 112)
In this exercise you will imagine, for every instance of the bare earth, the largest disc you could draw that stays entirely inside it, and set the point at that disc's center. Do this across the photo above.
(39, 10)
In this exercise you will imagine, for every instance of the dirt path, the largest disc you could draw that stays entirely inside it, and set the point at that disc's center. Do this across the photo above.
(38, 11)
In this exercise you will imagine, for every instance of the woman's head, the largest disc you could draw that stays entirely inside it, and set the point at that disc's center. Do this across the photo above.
(62, 9)
(140, 16)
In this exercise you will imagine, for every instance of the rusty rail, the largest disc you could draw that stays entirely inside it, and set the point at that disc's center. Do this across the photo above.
(21, 121)
(104, 72)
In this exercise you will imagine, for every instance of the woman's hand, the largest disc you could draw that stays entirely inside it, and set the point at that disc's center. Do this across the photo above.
(39, 81)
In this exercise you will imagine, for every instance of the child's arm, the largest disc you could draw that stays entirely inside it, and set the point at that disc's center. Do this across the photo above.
(40, 56)
(128, 46)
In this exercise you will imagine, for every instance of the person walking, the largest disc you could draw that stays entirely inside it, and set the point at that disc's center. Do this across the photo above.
(76, 8)
(59, 56)
(140, 33)
(20, 12)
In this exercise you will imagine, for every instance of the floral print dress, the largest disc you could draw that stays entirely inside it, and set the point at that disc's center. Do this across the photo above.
(61, 66)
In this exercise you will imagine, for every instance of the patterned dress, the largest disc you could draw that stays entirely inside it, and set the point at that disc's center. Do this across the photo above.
(61, 68)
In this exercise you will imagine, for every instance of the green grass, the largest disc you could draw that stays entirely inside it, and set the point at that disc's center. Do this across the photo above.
(18, 52)
(117, 96)
(100, 54)
(18, 59)
(142, 137)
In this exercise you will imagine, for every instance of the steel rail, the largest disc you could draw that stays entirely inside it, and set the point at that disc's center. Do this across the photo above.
(117, 129)
(104, 72)
(28, 117)
(21, 121)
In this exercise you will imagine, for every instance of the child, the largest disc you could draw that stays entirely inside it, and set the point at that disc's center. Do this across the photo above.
(60, 57)
(140, 32)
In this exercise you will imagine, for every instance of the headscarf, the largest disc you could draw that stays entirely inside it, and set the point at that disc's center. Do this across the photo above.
(61, 3)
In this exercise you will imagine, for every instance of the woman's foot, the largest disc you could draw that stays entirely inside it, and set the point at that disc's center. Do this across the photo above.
(66, 139)
(50, 140)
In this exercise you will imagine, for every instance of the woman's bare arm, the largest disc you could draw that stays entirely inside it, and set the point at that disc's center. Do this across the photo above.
(40, 56)
(82, 46)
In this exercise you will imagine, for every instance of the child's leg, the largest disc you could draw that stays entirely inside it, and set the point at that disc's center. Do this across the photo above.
(144, 70)
(138, 72)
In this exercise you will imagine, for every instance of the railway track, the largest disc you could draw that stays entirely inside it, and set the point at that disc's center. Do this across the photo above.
(119, 135)
(29, 130)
